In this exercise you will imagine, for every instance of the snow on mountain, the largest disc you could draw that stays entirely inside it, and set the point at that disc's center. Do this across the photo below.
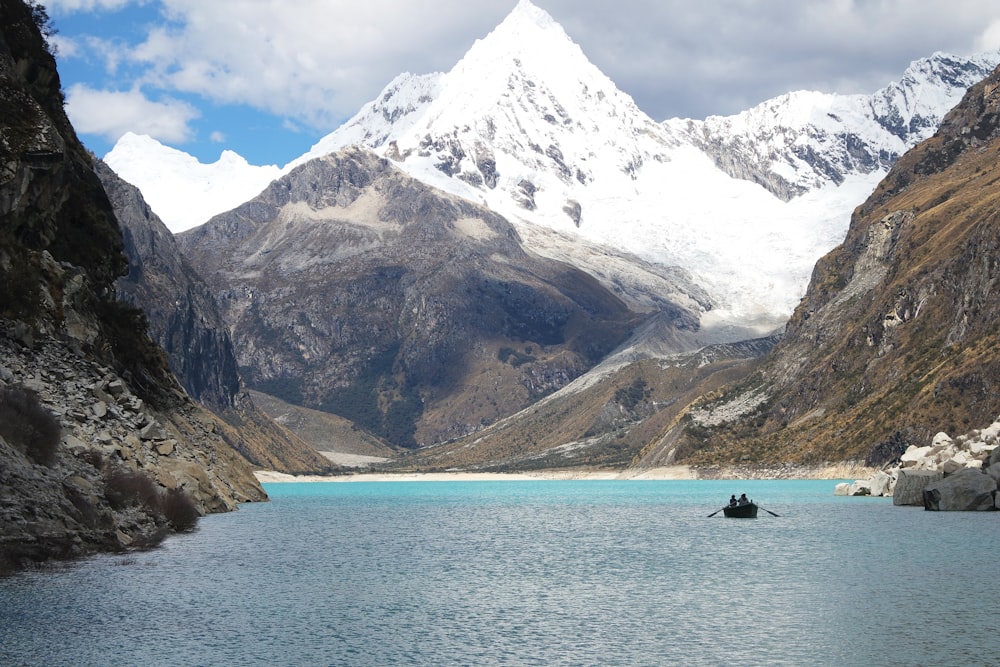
(181, 190)
(805, 140)
(525, 123)
(744, 204)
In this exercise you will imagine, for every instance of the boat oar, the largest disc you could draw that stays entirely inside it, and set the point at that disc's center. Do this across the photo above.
(715, 512)
(770, 512)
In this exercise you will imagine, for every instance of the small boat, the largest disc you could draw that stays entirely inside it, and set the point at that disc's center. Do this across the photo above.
(744, 511)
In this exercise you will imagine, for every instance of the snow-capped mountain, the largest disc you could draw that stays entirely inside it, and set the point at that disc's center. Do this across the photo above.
(181, 190)
(746, 204)
(805, 140)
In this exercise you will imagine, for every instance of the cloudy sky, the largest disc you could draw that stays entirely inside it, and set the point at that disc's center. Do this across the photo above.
(268, 78)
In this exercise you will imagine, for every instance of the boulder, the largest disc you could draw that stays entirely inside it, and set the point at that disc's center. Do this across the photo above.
(910, 485)
(994, 472)
(941, 438)
(153, 431)
(861, 487)
(994, 458)
(991, 433)
(913, 455)
(880, 484)
(954, 464)
(980, 450)
(842, 489)
(967, 490)
(165, 447)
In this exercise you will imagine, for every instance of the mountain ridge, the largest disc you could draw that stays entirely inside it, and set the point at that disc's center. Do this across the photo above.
(353, 288)
(530, 127)
(894, 340)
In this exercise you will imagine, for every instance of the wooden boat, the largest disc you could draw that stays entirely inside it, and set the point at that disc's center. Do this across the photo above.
(744, 511)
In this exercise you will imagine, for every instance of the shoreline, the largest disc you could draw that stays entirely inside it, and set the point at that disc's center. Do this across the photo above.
(667, 473)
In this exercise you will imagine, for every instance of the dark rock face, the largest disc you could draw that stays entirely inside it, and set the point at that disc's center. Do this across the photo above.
(910, 485)
(966, 490)
(83, 361)
(182, 312)
(50, 198)
(185, 320)
(355, 289)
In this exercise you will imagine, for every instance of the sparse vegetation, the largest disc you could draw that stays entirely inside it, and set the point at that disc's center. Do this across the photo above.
(124, 489)
(179, 510)
(27, 425)
(630, 396)
(516, 359)
(43, 22)
(378, 402)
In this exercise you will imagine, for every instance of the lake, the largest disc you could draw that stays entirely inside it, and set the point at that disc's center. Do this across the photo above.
(528, 573)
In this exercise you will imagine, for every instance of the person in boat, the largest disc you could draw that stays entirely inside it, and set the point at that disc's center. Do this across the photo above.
(732, 500)
(743, 499)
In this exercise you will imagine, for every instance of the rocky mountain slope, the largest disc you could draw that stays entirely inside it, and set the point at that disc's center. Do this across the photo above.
(606, 418)
(100, 448)
(185, 321)
(896, 337)
(353, 288)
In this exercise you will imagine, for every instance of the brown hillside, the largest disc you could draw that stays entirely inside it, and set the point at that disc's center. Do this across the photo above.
(897, 336)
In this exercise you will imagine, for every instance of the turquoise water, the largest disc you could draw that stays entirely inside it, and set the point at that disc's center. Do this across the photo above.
(528, 573)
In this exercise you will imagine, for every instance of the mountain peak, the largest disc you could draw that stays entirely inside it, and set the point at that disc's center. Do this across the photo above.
(527, 11)
(528, 36)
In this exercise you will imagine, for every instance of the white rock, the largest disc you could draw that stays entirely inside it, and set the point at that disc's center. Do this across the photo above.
(880, 484)
(990, 433)
(842, 489)
(861, 487)
(941, 438)
(980, 450)
(913, 455)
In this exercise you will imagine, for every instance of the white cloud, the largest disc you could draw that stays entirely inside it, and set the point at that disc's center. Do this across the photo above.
(110, 114)
(89, 5)
(989, 40)
(314, 63)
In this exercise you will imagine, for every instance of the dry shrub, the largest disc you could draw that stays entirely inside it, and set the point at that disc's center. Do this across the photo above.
(179, 510)
(27, 425)
(124, 488)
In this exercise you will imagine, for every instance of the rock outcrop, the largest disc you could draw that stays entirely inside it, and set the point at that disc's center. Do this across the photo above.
(948, 474)
(910, 485)
(185, 320)
(969, 489)
(106, 435)
(100, 447)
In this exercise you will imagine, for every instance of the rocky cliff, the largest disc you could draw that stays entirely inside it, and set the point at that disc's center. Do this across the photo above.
(100, 448)
(896, 337)
(353, 288)
(185, 321)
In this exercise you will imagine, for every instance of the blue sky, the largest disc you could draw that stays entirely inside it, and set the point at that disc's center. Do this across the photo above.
(269, 78)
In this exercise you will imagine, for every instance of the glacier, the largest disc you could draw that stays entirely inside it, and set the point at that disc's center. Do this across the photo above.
(526, 125)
